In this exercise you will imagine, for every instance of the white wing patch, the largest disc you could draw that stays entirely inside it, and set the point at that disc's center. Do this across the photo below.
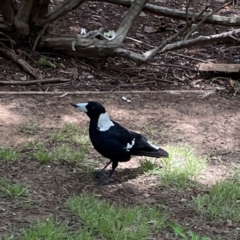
(154, 146)
(104, 122)
(130, 145)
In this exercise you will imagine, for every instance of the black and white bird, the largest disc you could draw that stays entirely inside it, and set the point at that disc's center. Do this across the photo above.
(112, 140)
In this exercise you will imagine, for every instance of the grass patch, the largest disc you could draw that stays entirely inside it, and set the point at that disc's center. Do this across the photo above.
(180, 232)
(63, 152)
(222, 201)
(45, 230)
(72, 134)
(28, 128)
(48, 230)
(116, 222)
(8, 155)
(180, 170)
(67, 143)
(13, 190)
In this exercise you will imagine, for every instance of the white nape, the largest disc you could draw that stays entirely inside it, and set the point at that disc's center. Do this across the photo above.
(130, 145)
(104, 122)
(154, 146)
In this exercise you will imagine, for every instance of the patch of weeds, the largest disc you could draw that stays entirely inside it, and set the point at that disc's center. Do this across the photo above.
(179, 231)
(34, 144)
(147, 165)
(64, 133)
(182, 167)
(43, 155)
(84, 234)
(115, 222)
(13, 190)
(71, 133)
(7, 155)
(222, 201)
(45, 230)
(68, 153)
(48, 230)
(28, 128)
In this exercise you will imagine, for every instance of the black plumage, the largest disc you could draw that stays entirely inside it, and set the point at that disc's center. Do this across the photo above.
(112, 140)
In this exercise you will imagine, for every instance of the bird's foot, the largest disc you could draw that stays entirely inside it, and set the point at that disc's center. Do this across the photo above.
(99, 174)
(106, 181)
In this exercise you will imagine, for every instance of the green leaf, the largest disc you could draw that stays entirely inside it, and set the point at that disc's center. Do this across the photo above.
(110, 33)
(178, 230)
(46, 62)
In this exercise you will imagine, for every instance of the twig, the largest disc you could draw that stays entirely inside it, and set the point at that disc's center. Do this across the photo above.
(138, 41)
(93, 68)
(39, 35)
(174, 66)
(42, 81)
(193, 58)
(205, 18)
(10, 39)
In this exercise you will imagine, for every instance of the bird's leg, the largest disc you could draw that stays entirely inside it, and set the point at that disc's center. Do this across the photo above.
(114, 166)
(110, 179)
(99, 173)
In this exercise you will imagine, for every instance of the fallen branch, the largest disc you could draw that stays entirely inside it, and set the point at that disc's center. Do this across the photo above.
(13, 56)
(33, 82)
(177, 14)
(103, 92)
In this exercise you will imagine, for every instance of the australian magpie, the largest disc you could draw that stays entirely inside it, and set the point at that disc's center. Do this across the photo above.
(112, 140)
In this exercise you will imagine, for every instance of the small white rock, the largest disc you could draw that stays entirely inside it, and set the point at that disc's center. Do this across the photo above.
(124, 98)
(128, 100)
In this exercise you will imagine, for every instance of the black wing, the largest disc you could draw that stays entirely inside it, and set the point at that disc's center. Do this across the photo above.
(143, 148)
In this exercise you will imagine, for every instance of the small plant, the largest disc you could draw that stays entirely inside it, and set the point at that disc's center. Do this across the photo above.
(29, 128)
(45, 230)
(7, 155)
(179, 231)
(222, 200)
(147, 165)
(181, 168)
(116, 222)
(70, 133)
(13, 190)
(42, 155)
(64, 133)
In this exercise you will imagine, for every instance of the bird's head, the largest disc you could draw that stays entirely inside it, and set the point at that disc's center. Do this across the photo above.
(92, 109)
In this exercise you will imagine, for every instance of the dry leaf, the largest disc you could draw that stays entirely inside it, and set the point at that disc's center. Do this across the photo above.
(150, 29)
(232, 83)
(71, 71)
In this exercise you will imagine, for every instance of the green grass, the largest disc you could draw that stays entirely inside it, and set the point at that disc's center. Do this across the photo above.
(45, 230)
(13, 190)
(180, 170)
(222, 201)
(72, 134)
(180, 232)
(61, 152)
(48, 230)
(8, 155)
(115, 222)
(28, 128)
(67, 143)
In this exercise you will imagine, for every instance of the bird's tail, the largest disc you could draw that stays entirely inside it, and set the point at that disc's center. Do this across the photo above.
(151, 153)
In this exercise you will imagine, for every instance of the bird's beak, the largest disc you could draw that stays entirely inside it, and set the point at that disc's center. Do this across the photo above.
(81, 106)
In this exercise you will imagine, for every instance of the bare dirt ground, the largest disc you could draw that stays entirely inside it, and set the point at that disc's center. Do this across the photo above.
(210, 123)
